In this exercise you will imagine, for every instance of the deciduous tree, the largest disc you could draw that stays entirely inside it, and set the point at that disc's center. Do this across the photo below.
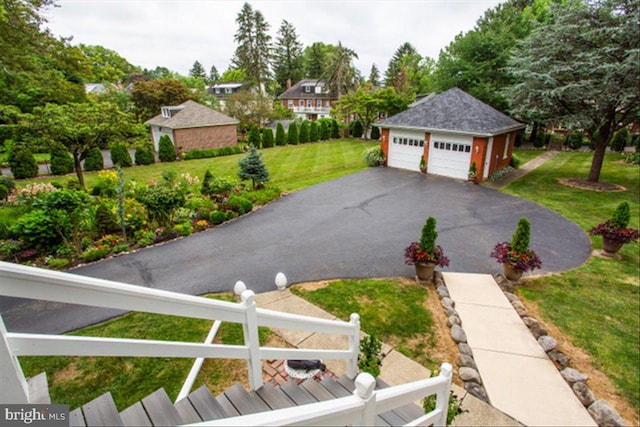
(149, 96)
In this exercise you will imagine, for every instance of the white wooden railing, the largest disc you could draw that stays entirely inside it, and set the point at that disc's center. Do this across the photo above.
(28, 282)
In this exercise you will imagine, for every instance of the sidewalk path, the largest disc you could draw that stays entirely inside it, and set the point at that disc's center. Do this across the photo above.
(518, 376)
(520, 172)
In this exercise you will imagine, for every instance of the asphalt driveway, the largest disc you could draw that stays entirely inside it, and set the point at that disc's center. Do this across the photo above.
(353, 227)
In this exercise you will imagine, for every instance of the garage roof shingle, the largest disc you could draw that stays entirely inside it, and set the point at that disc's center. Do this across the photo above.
(193, 115)
(454, 111)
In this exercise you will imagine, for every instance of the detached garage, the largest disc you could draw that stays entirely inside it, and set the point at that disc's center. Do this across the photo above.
(450, 131)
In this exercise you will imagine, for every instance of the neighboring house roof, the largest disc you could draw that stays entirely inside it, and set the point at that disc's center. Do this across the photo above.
(297, 91)
(94, 88)
(192, 115)
(233, 85)
(453, 111)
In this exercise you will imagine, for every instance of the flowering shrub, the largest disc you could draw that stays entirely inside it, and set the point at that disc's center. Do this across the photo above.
(30, 192)
(415, 254)
(523, 261)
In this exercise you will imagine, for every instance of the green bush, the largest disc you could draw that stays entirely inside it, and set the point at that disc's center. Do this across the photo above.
(375, 133)
(632, 158)
(313, 132)
(8, 182)
(120, 156)
(122, 247)
(335, 129)
(303, 134)
(240, 205)
(166, 150)
(58, 263)
(144, 155)
(374, 156)
(370, 357)
(213, 152)
(325, 131)
(292, 134)
(540, 140)
(217, 217)
(267, 138)
(105, 221)
(22, 163)
(281, 138)
(95, 254)
(574, 140)
(36, 230)
(94, 160)
(4, 192)
(620, 140)
(184, 229)
(357, 129)
(61, 160)
(161, 203)
(515, 161)
(254, 136)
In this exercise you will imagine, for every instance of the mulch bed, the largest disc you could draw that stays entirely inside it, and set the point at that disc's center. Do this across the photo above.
(583, 184)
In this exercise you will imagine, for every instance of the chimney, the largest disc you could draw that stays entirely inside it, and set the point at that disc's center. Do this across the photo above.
(288, 84)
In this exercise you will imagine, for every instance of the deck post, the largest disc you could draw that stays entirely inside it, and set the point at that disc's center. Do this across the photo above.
(14, 385)
(365, 385)
(354, 346)
(442, 397)
(252, 340)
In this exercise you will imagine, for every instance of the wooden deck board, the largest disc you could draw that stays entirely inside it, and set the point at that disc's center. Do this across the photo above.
(102, 411)
(206, 405)
(160, 409)
(135, 415)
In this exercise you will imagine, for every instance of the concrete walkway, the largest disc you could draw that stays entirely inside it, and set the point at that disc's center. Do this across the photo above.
(396, 368)
(520, 172)
(518, 376)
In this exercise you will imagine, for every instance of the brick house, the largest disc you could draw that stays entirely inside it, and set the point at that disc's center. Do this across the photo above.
(192, 126)
(451, 131)
(309, 99)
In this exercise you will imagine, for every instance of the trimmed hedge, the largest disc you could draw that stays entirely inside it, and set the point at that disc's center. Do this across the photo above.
(213, 152)
(144, 155)
(94, 160)
(61, 160)
(120, 156)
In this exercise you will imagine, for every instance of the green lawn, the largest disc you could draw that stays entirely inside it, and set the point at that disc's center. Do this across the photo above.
(527, 155)
(596, 305)
(291, 168)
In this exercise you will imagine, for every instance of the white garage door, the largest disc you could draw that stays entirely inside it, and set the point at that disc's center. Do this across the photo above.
(405, 152)
(449, 158)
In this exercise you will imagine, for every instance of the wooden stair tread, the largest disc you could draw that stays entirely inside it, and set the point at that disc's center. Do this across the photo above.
(207, 407)
(135, 415)
(227, 406)
(298, 394)
(160, 409)
(76, 419)
(316, 390)
(39, 389)
(244, 402)
(274, 397)
(187, 412)
(102, 411)
(335, 388)
(408, 412)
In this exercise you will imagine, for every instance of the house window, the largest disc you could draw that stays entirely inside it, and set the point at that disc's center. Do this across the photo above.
(290, 103)
(319, 103)
(467, 148)
(306, 89)
(227, 90)
(506, 146)
(436, 145)
(448, 146)
(218, 90)
(309, 103)
(422, 143)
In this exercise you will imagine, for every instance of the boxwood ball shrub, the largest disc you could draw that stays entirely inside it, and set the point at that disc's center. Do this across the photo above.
(240, 204)
(22, 163)
(166, 150)
(120, 156)
(61, 160)
(94, 160)
(144, 155)
(217, 217)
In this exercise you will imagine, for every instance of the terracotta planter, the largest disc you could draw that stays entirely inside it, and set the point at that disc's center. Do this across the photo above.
(511, 273)
(611, 246)
(424, 271)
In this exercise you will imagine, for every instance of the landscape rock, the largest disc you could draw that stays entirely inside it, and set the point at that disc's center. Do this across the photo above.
(450, 311)
(583, 393)
(453, 320)
(605, 415)
(537, 332)
(447, 302)
(469, 374)
(547, 343)
(519, 308)
(504, 284)
(511, 297)
(465, 349)
(442, 291)
(458, 335)
(529, 321)
(573, 376)
(560, 358)
(466, 360)
(477, 390)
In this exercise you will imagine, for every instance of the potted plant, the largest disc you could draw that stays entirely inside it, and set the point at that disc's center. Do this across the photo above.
(423, 165)
(515, 256)
(616, 232)
(425, 255)
(473, 172)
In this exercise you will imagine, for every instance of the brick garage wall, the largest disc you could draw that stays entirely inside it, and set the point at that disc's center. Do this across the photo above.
(205, 138)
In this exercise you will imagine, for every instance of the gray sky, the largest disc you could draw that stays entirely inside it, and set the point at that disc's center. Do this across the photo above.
(174, 33)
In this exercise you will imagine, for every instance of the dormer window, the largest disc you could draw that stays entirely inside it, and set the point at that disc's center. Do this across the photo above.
(227, 90)
(168, 112)
(306, 89)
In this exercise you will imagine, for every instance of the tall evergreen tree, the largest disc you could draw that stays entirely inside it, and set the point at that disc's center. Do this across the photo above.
(254, 45)
(394, 67)
(374, 75)
(287, 58)
(280, 135)
(197, 70)
(292, 134)
(214, 76)
(315, 60)
(341, 74)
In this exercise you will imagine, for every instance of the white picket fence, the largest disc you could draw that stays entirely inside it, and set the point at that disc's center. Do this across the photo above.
(34, 283)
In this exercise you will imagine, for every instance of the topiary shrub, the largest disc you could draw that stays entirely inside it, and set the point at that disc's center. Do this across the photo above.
(105, 221)
(620, 140)
(240, 205)
(314, 135)
(303, 134)
(375, 133)
(281, 137)
(144, 155)
(217, 217)
(254, 136)
(267, 138)
(574, 140)
(61, 160)
(292, 134)
(357, 129)
(94, 160)
(621, 216)
(166, 150)
(22, 163)
(120, 156)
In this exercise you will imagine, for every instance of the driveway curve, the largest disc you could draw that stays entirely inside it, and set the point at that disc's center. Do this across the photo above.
(352, 227)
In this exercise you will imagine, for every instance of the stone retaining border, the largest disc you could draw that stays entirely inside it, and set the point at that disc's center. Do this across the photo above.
(601, 412)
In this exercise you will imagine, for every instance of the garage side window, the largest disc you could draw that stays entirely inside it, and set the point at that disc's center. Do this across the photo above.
(506, 147)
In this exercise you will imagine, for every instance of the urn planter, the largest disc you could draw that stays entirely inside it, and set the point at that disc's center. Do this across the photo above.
(425, 270)
(511, 273)
(611, 246)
